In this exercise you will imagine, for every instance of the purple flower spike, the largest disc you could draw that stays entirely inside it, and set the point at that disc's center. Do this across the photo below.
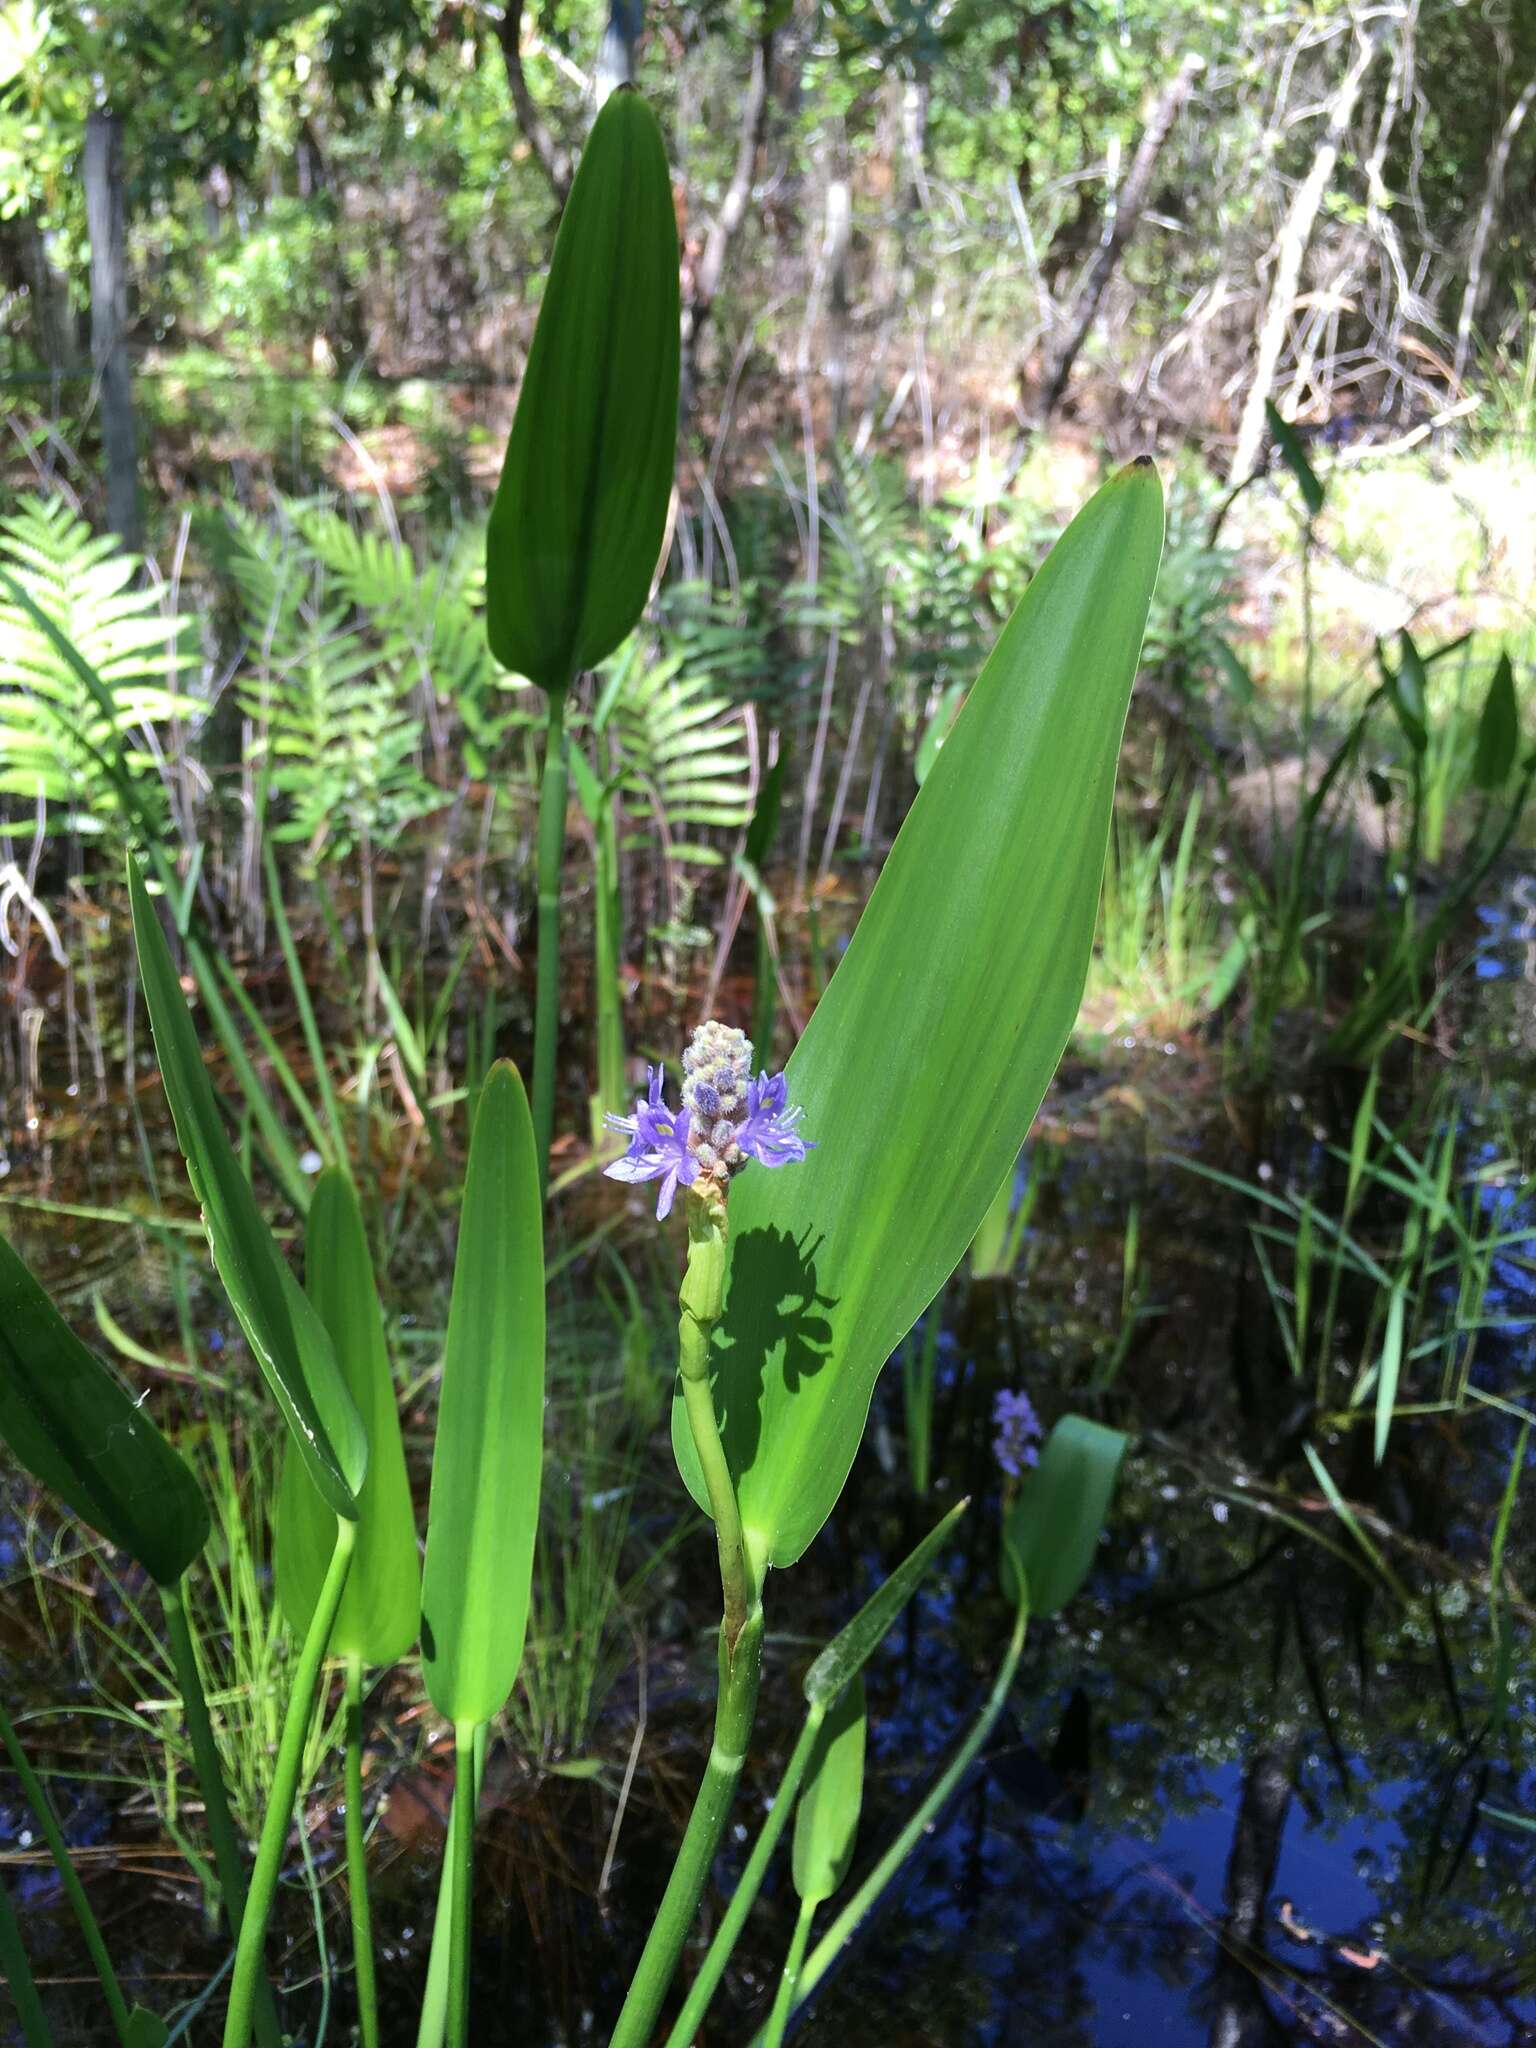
(769, 1135)
(727, 1118)
(658, 1145)
(1018, 1433)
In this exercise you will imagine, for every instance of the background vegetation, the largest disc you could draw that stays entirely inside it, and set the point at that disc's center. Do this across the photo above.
(268, 277)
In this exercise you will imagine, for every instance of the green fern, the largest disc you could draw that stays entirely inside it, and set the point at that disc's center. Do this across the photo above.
(329, 696)
(53, 734)
(436, 609)
(682, 751)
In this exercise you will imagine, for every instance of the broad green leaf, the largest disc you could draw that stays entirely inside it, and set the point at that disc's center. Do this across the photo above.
(146, 2029)
(1498, 730)
(1053, 1528)
(851, 1648)
(280, 1325)
(925, 1061)
(381, 1606)
(69, 1422)
(490, 1425)
(577, 526)
(1288, 444)
(827, 1817)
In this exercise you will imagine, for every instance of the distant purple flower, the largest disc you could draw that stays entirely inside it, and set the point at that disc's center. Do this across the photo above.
(727, 1118)
(1018, 1432)
(658, 1145)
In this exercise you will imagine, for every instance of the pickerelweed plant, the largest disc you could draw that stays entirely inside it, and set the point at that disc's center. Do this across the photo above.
(917, 1079)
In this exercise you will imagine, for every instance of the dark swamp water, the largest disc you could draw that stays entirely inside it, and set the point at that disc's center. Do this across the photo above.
(1242, 1794)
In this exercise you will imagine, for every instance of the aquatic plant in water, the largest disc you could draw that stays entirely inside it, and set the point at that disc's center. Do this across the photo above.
(969, 960)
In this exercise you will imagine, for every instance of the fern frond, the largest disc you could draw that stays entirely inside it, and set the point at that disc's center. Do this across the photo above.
(53, 732)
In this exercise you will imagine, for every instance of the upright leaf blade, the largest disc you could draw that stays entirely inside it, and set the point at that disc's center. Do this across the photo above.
(577, 525)
(1053, 1528)
(1288, 442)
(827, 1818)
(1498, 730)
(289, 1341)
(923, 1065)
(852, 1647)
(381, 1606)
(489, 1456)
(66, 1419)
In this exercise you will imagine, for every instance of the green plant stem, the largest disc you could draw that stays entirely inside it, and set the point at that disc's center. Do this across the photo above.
(227, 1857)
(285, 1790)
(306, 1010)
(727, 1934)
(847, 1923)
(735, 1709)
(789, 1977)
(546, 1025)
(702, 1298)
(32, 1791)
(18, 1978)
(461, 1848)
(433, 2025)
(357, 1862)
(605, 952)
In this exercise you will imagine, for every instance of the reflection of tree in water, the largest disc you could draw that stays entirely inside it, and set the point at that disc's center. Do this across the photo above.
(1215, 1645)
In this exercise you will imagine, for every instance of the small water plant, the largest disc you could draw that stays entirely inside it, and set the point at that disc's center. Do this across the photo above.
(824, 1208)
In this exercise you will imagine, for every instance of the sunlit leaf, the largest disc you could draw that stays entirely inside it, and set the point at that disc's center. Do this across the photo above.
(1053, 1528)
(382, 1603)
(490, 1448)
(68, 1421)
(827, 1817)
(283, 1330)
(922, 1068)
(576, 529)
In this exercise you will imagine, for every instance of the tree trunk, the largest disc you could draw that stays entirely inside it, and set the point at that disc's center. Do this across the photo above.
(1487, 214)
(751, 133)
(1295, 234)
(106, 224)
(1240, 2017)
(616, 57)
(553, 159)
(29, 265)
(1134, 193)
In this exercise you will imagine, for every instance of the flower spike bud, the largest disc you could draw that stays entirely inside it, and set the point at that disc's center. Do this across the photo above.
(728, 1118)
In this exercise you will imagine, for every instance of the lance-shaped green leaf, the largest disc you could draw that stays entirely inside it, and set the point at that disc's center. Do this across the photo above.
(1053, 1528)
(827, 1818)
(280, 1325)
(1288, 444)
(1498, 730)
(490, 1425)
(382, 1603)
(577, 526)
(69, 1422)
(924, 1063)
(1406, 687)
(852, 1647)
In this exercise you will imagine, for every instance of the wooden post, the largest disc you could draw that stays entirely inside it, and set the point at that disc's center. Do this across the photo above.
(107, 226)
